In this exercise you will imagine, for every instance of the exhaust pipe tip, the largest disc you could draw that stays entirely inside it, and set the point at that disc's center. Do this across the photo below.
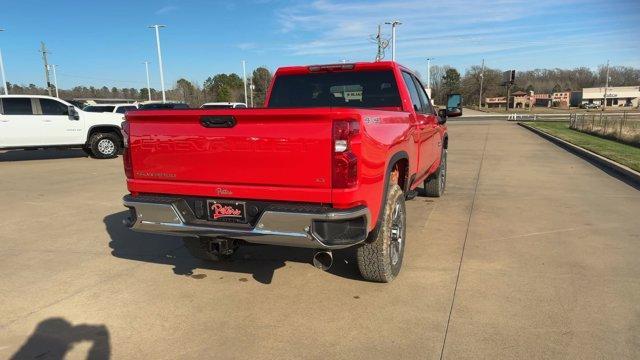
(323, 260)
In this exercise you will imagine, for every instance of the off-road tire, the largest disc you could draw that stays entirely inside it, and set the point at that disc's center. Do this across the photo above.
(200, 248)
(375, 256)
(104, 145)
(435, 185)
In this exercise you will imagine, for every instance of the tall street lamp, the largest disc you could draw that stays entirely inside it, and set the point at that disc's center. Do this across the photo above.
(55, 79)
(393, 24)
(146, 67)
(4, 78)
(157, 28)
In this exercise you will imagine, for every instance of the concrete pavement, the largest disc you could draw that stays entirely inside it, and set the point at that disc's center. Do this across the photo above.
(532, 253)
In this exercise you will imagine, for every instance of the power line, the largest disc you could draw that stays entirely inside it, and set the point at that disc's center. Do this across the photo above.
(102, 79)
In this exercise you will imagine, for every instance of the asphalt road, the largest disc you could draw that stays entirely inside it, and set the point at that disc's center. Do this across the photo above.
(532, 253)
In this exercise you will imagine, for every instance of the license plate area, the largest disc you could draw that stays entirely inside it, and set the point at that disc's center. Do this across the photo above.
(227, 211)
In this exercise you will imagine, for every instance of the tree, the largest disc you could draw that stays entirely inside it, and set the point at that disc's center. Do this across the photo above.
(261, 78)
(451, 82)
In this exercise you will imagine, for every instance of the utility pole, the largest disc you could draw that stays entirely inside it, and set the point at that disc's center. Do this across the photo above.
(393, 24)
(157, 27)
(43, 50)
(481, 81)
(55, 80)
(146, 67)
(606, 86)
(244, 76)
(379, 43)
(4, 78)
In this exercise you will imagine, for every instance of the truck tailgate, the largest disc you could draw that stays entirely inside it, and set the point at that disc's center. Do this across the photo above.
(259, 152)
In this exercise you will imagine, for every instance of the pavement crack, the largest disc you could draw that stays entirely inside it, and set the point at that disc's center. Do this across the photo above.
(464, 243)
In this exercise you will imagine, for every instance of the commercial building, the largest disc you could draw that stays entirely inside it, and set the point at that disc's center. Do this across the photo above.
(561, 99)
(619, 96)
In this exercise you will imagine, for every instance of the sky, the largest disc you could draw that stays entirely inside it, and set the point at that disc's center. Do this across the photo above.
(103, 43)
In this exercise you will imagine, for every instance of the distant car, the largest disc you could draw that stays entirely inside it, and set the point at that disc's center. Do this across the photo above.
(163, 106)
(224, 105)
(454, 105)
(589, 106)
(111, 108)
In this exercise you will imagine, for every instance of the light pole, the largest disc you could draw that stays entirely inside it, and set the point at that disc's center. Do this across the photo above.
(4, 78)
(55, 79)
(251, 89)
(481, 81)
(393, 24)
(157, 27)
(606, 86)
(244, 76)
(146, 67)
(429, 73)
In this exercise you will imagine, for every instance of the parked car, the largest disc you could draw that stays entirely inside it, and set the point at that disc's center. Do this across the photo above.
(111, 108)
(224, 105)
(454, 105)
(589, 106)
(163, 106)
(326, 165)
(33, 121)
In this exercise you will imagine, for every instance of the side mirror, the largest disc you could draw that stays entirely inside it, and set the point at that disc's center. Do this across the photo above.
(73, 113)
(442, 116)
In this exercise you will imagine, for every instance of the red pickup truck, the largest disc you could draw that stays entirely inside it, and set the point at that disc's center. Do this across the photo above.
(327, 164)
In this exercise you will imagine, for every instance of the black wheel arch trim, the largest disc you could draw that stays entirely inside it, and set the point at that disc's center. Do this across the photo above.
(400, 155)
(115, 129)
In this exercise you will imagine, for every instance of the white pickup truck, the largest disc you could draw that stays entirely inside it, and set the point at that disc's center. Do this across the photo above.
(34, 121)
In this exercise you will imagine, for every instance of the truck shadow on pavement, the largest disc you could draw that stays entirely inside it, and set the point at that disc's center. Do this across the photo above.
(48, 154)
(53, 338)
(259, 261)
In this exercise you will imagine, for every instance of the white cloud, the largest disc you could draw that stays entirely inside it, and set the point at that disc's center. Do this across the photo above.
(166, 9)
(343, 28)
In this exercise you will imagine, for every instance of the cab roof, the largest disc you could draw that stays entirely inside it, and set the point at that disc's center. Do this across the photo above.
(372, 65)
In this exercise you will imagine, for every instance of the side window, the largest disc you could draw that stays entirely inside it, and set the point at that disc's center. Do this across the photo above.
(52, 107)
(415, 98)
(426, 102)
(17, 106)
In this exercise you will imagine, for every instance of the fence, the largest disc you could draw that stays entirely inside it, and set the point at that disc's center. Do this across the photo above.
(623, 127)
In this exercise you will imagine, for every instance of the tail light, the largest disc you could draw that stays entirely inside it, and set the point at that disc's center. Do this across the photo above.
(126, 155)
(345, 162)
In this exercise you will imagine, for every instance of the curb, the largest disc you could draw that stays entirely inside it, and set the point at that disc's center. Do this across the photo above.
(624, 171)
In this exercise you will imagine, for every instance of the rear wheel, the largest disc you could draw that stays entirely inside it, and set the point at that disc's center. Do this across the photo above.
(435, 185)
(104, 145)
(380, 258)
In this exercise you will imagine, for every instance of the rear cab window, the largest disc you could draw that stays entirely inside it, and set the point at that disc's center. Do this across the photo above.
(359, 89)
(17, 106)
(99, 108)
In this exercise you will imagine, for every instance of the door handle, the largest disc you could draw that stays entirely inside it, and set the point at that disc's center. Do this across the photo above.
(220, 121)
(46, 120)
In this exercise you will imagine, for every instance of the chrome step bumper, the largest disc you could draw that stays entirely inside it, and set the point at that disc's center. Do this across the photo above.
(172, 216)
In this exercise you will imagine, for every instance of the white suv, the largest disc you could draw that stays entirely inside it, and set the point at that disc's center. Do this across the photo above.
(111, 108)
(33, 121)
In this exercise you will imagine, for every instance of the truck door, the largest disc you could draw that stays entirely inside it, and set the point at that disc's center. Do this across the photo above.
(18, 124)
(426, 123)
(61, 128)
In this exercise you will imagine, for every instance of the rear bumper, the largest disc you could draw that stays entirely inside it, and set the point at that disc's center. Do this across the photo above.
(333, 229)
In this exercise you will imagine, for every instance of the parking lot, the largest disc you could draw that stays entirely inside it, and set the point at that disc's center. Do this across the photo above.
(532, 253)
